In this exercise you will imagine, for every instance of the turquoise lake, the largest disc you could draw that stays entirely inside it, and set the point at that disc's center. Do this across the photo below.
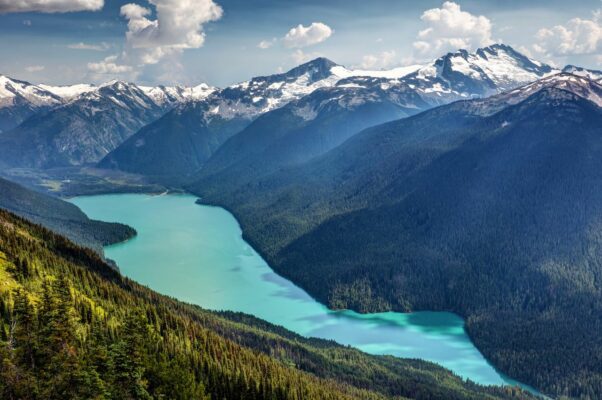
(196, 254)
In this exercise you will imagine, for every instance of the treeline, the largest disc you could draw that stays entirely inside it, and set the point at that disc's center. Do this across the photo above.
(71, 327)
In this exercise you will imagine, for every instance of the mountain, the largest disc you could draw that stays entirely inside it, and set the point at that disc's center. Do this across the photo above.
(311, 126)
(69, 92)
(170, 96)
(19, 100)
(176, 144)
(487, 71)
(328, 116)
(181, 142)
(86, 122)
(488, 207)
(61, 217)
(73, 328)
(588, 73)
(81, 131)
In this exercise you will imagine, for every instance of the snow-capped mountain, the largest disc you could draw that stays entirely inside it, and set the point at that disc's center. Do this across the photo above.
(262, 94)
(11, 89)
(314, 94)
(163, 96)
(69, 92)
(172, 95)
(82, 130)
(589, 73)
(454, 76)
(557, 85)
(19, 100)
(187, 136)
(487, 71)
(202, 118)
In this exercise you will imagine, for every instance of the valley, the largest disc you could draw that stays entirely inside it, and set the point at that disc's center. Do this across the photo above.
(438, 222)
(217, 270)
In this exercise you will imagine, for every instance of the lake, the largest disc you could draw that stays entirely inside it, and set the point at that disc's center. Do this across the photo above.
(196, 254)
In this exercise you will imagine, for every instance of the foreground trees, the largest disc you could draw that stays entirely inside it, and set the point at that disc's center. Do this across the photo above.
(73, 328)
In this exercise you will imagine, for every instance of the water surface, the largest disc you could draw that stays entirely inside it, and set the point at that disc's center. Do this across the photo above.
(196, 254)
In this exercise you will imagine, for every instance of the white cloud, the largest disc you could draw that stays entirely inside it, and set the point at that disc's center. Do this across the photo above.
(109, 67)
(34, 68)
(86, 46)
(379, 61)
(303, 36)
(450, 28)
(301, 57)
(179, 26)
(49, 6)
(577, 36)
(266, 44)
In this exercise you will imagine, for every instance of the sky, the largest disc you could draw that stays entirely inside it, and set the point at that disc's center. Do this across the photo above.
(221, 42)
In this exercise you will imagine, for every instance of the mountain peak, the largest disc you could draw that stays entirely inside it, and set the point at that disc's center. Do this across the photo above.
(589, 73)
(317, 69)
(11, 89)
(116, 84)
(487, 70)
(318, 62)
(562, 85)
(578, 85)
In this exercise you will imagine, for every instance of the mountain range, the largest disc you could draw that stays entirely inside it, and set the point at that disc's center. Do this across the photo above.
(80, 124)
(317, 87)
(88, 123)
(20, 100)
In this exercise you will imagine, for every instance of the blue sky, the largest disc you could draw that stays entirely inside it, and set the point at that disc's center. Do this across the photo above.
(217, 41)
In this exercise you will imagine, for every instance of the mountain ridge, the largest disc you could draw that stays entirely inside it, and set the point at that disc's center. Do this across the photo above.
(194, 140)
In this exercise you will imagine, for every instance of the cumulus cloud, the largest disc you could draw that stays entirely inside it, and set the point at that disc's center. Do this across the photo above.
(86, 46)
(450, 28)
(179, 25)
(34, 68)
(577, 36)
(109, 66)
(383, 60)
(49, 6)
(303, 36)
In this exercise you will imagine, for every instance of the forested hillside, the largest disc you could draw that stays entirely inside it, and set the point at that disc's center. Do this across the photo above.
(71, 327)
(61, 216)
(489, 208)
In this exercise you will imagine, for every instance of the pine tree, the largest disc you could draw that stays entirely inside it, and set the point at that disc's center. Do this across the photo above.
(127, 364)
